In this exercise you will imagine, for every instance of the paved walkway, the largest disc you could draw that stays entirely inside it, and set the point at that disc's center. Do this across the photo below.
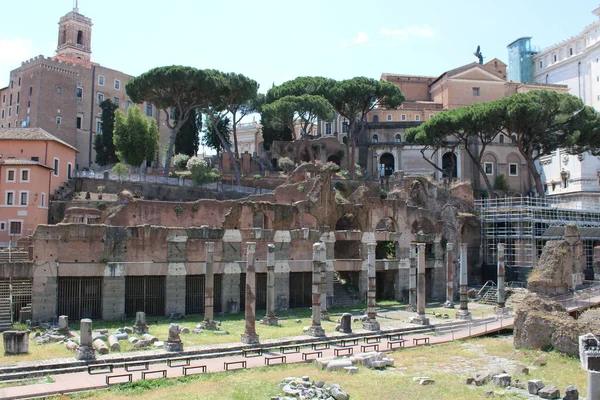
(80, 381)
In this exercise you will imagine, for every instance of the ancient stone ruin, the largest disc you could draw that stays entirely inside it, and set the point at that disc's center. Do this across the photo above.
(560, 267)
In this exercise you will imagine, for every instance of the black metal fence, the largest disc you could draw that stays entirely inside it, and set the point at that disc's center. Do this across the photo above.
(80, 297)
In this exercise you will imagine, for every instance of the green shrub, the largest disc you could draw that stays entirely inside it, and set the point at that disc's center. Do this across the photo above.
(178, 210)
(383, 194)
(331, 166)
(180, 161)
(173, 174)
(257, 177)
(300, 188)
(120, 171)
(201, 171)
(340, 186)
(341, 154)
(290, 148)
(101, 205)
(286, 164)
(501, 183)
(343, 173)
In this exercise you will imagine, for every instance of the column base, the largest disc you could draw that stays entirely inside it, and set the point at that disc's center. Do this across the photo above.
(419, 320)
(449, 304)
(316, 331)
(86, 353)
(325, 316)
(463, 314)
(249, 338)
(270, 321)
(174, 346)
(140, 329)
(209, 325)
(371, 325)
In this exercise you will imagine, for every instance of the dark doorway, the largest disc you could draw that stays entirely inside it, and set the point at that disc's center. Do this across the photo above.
(449, 165)
(384, 281)
(334, 158)
(195, 292)
(387, 164)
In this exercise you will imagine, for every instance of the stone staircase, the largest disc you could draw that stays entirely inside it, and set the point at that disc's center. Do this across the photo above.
(342, 297)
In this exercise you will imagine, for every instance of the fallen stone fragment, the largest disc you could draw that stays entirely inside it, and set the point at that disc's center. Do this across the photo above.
(141, 343)
(534, 386)
(426, 381)
(351, 370)
(549, 392)
(502, 380)
(100, 346)
(337, 365)
(571, 393)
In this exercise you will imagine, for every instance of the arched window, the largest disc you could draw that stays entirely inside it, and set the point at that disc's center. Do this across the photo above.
(375, 139)
(501, 138)
(79, 37)
(375, 118)
(398, 139)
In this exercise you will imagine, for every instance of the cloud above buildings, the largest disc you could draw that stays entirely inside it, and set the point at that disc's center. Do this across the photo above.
(361, 37)
(12, 53)
(389, 37)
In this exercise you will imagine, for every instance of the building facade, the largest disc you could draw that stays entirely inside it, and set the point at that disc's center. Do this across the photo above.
(33, 165)
(575, 63)
(61, 94)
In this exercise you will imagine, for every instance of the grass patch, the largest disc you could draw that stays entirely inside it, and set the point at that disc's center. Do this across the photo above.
(25, 382)
(448, 364)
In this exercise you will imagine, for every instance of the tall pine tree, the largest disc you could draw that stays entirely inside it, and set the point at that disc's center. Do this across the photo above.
(103, 142)
(188, 137)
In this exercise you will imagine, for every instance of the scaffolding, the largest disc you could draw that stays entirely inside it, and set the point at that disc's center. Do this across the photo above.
(525, 224)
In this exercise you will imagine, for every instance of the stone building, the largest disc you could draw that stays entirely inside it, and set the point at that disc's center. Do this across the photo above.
(61, 94)
(382, 148)
(151, 255)
(574, 63)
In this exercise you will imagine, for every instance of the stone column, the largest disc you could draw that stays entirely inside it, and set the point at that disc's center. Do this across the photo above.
(449, 276)
(319, 254)
(501, 299)
(270, 318)
(412, 278)
(323, 300)
(250, 336)
(140, 326)
(593, 385)
(371, 323)
(421, 287)
(209, 288)
(464, 312)
(85, 350)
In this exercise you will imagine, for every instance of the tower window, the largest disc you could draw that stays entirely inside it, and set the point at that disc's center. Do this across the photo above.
(100, 80)
(149, 110)
(79, 37)
(117, 84)
(78, 121)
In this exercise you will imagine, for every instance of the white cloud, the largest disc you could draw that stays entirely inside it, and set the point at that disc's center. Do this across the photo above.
(360, 38)
(422, 31)
(12, 53)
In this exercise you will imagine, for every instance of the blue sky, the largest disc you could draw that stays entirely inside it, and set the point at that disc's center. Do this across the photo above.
(273, 41)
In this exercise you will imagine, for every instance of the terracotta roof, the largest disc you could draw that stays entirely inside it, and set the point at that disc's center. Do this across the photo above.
(30, 134)
(21, 161)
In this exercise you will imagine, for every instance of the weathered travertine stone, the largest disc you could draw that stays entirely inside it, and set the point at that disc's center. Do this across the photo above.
(140, 326)
(209, 322)
(464, 312)
(318, 257)
(534, 386)
(420, 319)
(100, 346)
(501, 302)
(270, 318)
(113, 342)
(16, 342)
(571, 393)
(346, 323)
(449, 276)
(63, 323)
(173, 342)
(85, 350)
(250, 336)
(149, 338)
(549, 392)
(371, 323)
(503, 380)
(412, 279)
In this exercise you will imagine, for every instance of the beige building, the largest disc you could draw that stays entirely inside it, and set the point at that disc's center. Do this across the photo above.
(382, 148)
(61, 94)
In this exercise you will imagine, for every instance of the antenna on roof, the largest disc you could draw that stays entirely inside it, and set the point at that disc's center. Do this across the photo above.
(76, 6)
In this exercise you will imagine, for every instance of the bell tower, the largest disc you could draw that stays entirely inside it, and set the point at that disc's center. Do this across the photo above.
(75, 36)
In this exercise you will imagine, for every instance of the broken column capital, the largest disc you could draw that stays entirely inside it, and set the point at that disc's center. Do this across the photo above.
(449, 246)
(319, 252)
(251, 249)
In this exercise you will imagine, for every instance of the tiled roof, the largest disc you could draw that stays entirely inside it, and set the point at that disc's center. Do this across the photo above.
(30, 134)
(21, 161)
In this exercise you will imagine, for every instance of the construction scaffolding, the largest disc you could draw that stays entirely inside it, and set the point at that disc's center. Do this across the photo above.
(524, 224)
